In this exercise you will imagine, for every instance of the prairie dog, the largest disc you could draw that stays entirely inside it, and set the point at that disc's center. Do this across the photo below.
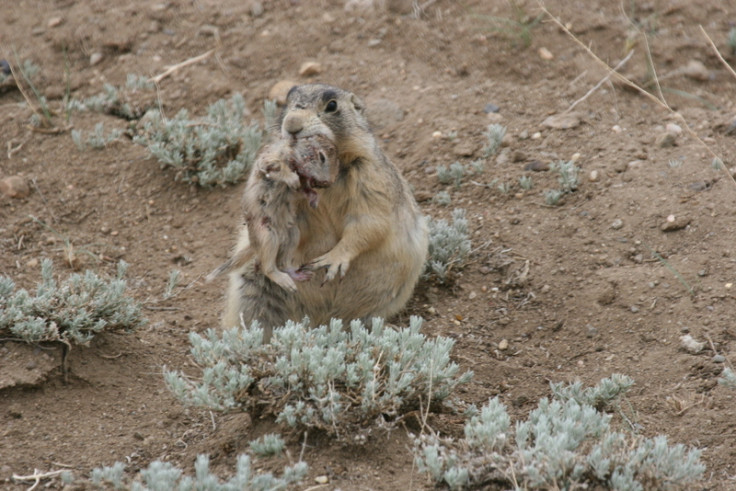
(367, 233)
(283, 178)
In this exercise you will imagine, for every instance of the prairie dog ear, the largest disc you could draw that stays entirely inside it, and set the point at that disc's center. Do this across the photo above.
(357, 103)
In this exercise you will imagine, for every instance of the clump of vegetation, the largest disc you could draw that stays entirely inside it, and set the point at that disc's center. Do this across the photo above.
(563, 444)
(728, 378)
(526, 183)
(164, 475)
(568, 175)
(70, 312)
(495, 134)
(213, 151)
(268, 445)
(337, 380)
(457, 171)
(96, 140)
(442, 198)
(449, 246)
(518, 28)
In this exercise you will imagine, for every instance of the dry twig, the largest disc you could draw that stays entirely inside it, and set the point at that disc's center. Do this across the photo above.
(171, 69)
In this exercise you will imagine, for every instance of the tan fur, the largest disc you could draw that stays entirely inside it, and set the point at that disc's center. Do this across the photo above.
(367, 233)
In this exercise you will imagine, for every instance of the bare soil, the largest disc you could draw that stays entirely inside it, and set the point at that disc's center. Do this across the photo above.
(572, 292)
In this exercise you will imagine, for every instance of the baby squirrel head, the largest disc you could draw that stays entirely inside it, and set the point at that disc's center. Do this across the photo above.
(320, 109)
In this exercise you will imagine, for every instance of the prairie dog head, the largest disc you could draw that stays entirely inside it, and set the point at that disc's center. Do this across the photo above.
(320, 109)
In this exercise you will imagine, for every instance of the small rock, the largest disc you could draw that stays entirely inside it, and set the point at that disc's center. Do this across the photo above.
(32, 263)
(321, 479)
(95, 58)
(536, 135)
(546, 288)
(472, 296)
(255, 8)
(15, 187)
(491, 108)
(545, 54)
(310, 68)
(696, 70)
(691, 345)
(617, 224)
(536, 166)
(673, 223)
(436, 135)
(593, 176)
(634, 309)
(372, 43)
(616, 128)
(719, 359)
(279, 91)
(503, 345)
(494, 118)
(464, 149)
(54, 22)
(665, 140)
(673, 128)
(564, 121)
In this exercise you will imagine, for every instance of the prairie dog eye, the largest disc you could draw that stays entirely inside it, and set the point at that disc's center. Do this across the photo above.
(331, 107)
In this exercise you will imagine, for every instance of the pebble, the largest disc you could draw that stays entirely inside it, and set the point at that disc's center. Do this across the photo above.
(719, 359)
(563, 121)
(546, 289)
(437, 134)
(503, 345)
(465, 148)
(593, 176)
(617, 224)
(673, 223)
(32, 263)
(491, 108)
(472, 296)
(321, 479)
(536, 136)
(54, 21)
(673, 128)
(95, 58)
(634, 309)
(665, 140)
(279, 91)
(616, 128)
(545, 54)
(15, 187)
(310, 68)
(255, 8)
(696, 70)
(536, 166)
(691, 345)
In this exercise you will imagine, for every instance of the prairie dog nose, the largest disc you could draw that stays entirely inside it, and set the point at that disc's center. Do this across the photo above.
(293, 123)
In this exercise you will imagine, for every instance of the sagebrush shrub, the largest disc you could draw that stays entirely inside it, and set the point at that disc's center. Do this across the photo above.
(335, 379)
(71, 312)
(165, 476)
(212, 151)
(563, 444)
(449, 246)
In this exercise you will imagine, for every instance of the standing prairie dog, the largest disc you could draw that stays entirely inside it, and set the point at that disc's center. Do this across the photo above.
(367, 240)
(283, 178)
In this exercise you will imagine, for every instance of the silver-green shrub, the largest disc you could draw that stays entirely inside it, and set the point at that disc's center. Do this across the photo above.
(568, 175)
(165, 476)
(71, 312)
(335, 379)
(728, 378)
(449, 246)
(212, 151)
(268, 445)
(494, 134)
(563, 444)
(97, 139)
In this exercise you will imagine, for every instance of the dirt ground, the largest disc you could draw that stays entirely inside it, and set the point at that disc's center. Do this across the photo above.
(606, 282)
